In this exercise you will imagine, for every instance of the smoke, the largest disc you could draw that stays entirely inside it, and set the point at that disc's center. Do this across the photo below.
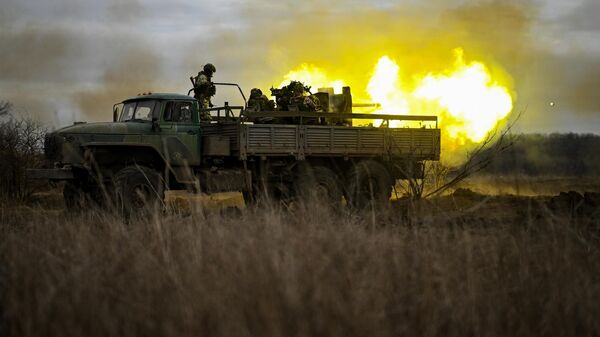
(74, 65)
(135, 71)
(77, 58)
(420, 37)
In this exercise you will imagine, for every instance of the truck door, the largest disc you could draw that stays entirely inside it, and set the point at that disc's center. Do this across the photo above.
(180, 133)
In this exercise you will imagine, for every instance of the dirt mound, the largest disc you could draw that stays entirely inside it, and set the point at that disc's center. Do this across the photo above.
(466, 193)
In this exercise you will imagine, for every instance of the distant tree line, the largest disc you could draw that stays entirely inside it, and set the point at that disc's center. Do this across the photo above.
(549, 154)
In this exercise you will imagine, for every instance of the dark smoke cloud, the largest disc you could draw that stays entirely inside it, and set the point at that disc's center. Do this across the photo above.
(136, 70)
(70, 60)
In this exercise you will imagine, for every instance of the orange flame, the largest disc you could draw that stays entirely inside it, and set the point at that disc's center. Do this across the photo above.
(471, 103)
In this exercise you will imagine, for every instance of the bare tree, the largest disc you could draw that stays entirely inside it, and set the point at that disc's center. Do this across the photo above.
(5, 108)
(434, 174)
(21, 146)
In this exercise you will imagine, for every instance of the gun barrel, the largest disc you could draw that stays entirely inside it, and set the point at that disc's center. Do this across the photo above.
(366, 105)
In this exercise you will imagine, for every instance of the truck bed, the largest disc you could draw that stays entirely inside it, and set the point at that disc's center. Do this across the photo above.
(301, 141)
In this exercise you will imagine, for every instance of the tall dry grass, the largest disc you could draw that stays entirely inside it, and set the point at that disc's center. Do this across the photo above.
(434, 269)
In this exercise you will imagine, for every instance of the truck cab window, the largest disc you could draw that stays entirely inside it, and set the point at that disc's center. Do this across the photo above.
(140, 111)
(179, 112)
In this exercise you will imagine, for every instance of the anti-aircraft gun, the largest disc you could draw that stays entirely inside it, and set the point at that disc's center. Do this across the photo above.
(297, 97)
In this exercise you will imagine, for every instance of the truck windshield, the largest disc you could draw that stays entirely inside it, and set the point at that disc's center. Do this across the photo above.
(138, 111)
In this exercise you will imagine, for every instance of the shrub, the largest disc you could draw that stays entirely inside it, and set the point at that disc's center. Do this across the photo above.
(21, 147)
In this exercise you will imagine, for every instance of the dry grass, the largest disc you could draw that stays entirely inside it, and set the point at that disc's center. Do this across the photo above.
(456, 267)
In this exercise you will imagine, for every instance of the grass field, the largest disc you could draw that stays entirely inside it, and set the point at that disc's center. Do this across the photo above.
(460, 265)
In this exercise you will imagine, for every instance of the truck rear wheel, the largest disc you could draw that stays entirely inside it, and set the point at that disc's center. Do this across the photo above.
(369, 185)
(319, 184)
(139, 191)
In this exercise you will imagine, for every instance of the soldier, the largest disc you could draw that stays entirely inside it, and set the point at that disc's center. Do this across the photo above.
(204, 89)
(312, 103)
(302, 99)
(296, 90)
(258, 101)
(287, 96)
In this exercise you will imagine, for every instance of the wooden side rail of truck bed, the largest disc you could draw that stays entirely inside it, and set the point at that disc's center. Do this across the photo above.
(298, 140)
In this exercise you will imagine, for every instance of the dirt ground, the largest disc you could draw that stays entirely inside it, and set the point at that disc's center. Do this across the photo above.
(520, 185)
(494, 195)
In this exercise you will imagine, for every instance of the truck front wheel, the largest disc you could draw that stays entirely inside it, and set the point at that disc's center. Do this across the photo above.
(139, 191)
(369, 185)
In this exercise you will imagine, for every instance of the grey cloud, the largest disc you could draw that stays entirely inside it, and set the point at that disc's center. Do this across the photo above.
(583, 18)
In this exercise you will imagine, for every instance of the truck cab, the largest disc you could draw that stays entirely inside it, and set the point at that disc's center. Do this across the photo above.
(146, 129)
(171, 128)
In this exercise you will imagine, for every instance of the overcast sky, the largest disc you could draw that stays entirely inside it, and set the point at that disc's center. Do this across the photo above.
(72, 59)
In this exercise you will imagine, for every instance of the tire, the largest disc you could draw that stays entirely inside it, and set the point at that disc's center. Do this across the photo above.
(139, 191)
(369, 184)
(318, 184)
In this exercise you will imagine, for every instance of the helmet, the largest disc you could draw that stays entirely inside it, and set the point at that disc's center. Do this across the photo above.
(297, 87)
(255, 92)
(209, 68)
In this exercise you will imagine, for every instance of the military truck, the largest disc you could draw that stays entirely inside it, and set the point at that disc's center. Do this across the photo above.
(159, 141)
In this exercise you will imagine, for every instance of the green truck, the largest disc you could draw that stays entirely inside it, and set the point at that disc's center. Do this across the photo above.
(159, 142)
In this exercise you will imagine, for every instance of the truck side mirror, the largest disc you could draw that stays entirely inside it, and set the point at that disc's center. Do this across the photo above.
(115, 114)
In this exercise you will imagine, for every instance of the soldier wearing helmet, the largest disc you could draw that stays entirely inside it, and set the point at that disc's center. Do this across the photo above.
(259, 102)
(204, 88)
(209, 69)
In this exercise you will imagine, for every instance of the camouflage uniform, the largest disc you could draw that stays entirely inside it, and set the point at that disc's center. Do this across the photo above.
(297, 97)
(204, 89)
(289, 96)
(301, 99)
(259, 102)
